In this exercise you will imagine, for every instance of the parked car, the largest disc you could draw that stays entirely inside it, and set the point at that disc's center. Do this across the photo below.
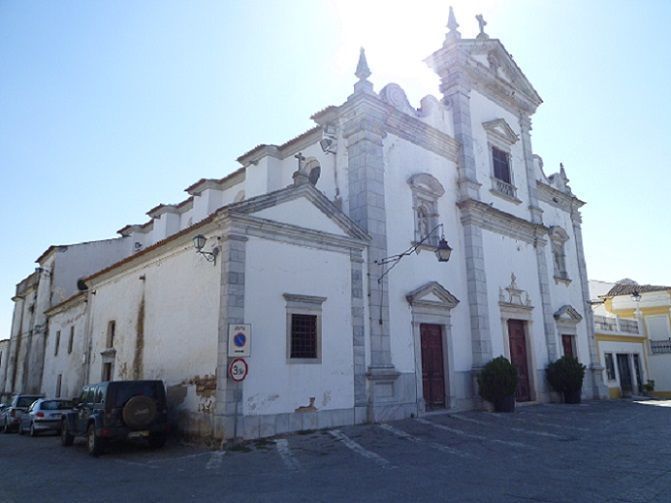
(44, 415)
(118, 410)
(17, 407)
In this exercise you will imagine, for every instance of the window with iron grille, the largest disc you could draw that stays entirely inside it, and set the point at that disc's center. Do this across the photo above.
(501, 162)
(304, 322)
(303, 336)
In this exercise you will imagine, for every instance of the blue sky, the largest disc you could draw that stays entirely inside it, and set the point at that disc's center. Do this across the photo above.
(109, 108)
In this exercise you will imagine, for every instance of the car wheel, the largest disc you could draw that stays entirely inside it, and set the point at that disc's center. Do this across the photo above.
(157, 441)
(93, 442)
(66, 438)
(33, 431)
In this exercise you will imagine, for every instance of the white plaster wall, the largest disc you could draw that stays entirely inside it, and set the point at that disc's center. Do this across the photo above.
(4, 357)
(402, 160)
(300, 212)
(560, 292)
(81, 260)
(270, 174)
(660, 371)
(483, 110)
(181, 293)
(274, 386)
(70, 365)
(503, 257)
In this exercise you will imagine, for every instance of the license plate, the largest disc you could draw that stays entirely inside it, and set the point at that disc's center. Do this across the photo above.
(138, 434)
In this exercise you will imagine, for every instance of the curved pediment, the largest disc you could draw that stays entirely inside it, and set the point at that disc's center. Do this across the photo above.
(432, 294)
(568, 314)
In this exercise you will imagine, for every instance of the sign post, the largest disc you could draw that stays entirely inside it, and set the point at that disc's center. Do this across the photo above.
(238, 370)
(239, 340)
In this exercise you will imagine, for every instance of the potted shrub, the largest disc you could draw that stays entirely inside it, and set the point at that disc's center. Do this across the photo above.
(497, 382)
(649, 387)
(565, 376)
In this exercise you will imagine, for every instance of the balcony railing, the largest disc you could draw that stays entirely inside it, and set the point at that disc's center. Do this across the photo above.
(659, 347)
(616, 325)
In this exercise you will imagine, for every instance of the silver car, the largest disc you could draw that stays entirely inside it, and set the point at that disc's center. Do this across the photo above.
(44, 415)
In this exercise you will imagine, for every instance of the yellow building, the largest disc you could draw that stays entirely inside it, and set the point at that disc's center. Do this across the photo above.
(633, 331)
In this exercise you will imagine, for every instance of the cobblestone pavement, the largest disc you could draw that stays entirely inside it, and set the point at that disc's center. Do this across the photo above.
(596, 451)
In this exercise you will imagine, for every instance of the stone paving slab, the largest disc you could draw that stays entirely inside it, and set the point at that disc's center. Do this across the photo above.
(596, 451)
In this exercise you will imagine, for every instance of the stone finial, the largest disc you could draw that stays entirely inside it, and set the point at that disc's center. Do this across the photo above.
(363, 72)
(482, 23)
(452, 25)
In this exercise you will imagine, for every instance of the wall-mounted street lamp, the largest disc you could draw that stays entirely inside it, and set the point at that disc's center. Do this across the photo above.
(442, 251)
(636, 295)
(199, 244)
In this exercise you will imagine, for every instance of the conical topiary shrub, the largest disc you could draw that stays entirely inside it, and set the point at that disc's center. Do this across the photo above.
(565, 376)
(497, 382)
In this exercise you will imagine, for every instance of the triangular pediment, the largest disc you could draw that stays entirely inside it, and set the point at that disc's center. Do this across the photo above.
(501, 64)
(432, 294)
(300, 206)
(568, 314)
(501, 130)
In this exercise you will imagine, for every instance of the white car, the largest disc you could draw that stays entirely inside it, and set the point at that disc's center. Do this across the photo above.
(44, 415)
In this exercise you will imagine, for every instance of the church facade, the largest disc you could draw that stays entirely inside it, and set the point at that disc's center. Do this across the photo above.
(362, 271)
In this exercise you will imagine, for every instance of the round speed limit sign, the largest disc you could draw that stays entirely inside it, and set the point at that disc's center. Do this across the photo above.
(238, 369)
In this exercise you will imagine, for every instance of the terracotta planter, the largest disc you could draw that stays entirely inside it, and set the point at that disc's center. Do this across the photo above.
(505, 404)
(572, 396)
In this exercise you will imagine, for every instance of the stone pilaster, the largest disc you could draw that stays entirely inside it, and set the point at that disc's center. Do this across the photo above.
(14, 346)
(228, 423)
(456, 93)
(358, 337)
(539, 244)
(363, 131)
(595, 368)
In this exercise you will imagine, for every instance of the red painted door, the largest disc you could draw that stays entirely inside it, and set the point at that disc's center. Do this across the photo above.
(567, 343)
(518, 357)
(433, 374)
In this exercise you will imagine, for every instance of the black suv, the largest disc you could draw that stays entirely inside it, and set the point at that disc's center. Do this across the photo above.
(117, 410)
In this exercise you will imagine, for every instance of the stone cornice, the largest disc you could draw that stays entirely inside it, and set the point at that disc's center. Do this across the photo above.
(557, 198)
(291, 234)
(492, 219)
(294, 192)
(365, 111)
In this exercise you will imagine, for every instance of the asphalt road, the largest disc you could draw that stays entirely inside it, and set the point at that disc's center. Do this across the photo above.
(598, 451)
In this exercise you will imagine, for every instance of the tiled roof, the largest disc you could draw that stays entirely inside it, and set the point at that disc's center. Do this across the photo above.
(628, 289)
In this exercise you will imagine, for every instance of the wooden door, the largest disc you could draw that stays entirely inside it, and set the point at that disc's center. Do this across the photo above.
(518, 357)
(433, 370)
(567, 343)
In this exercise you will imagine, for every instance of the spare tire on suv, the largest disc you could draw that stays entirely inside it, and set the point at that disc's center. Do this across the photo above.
(139, 411)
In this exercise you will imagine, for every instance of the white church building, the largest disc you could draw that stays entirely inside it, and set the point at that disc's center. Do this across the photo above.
(330, 256)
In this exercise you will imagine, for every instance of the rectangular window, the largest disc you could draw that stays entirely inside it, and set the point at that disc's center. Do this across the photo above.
(303, 336)
(610, 367)
(111, 332)
(304, 326)
(72, 337)
(58, 385)
(58, 342)
(501, 162)
(107, 372)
